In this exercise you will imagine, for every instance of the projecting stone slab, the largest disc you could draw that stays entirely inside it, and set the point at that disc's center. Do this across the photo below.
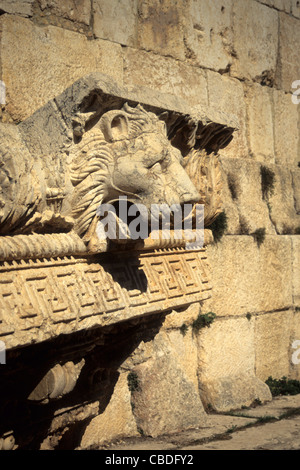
(115, 422)
(166, 401)
(228, 393)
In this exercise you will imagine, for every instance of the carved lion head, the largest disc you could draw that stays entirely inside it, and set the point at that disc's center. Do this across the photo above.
(127, 153)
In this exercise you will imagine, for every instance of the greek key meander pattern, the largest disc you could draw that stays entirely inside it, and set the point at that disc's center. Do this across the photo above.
(42, 299)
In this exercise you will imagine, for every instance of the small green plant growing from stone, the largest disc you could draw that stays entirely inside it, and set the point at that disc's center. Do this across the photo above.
(283, 386)
(267, 182)
(219, 226)
(133, 382)
(203, 320)
(183, 329)
(259, 236)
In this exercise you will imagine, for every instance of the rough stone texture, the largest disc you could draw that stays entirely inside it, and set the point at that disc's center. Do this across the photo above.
(184, 351)
(232, 392)
(167, 401)
(260, 123)
(245, 276)
(116, 21)
(115, 422)
(160, 27)
(225, 94)
(208, 33)
(288, 67)
(243, 203)
(53, 58)
(272, 337)
(283, 5)
(296, 270)
(295, 8)
(226, 348)
(74, 10)
(286, 123)
(226, 365)
(255, 41)
(166, 75)
(296, 187)
(281, 203)
(17, 7)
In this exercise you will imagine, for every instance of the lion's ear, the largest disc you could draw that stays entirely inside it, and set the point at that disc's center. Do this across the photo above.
(114, 126)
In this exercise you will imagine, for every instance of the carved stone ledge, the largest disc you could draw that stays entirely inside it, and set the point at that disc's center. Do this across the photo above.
(41, 300)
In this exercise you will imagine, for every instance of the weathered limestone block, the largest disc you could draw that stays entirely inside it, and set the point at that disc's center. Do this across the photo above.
(273, 333)
(295, 8)
(286, 133)
(243, 203)
(116, 21)
(226, 365)
(226, 348)
(160, 27)
(74, 10)
(39, 63)
(284, 5)
(115, 422)
(184, 350)
(281, 201)
(208, 33)
(226, 93)
(296, 187)
(166, 400)
(255, 41)
(233, 392)
(288, 65)
(245, 276)
(17, 7)
(296, 270)
(260, 123)
(165, 75)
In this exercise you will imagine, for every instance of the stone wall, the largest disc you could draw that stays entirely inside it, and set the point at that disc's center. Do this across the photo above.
(227, 55)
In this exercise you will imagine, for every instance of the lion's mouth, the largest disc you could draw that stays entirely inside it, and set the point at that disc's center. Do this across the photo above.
(126, 221)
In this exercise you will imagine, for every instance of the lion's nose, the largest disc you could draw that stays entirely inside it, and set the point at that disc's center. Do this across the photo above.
(185, 187)
(191, 197)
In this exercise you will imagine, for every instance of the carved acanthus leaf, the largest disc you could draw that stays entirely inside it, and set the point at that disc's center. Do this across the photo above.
(204, 171)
